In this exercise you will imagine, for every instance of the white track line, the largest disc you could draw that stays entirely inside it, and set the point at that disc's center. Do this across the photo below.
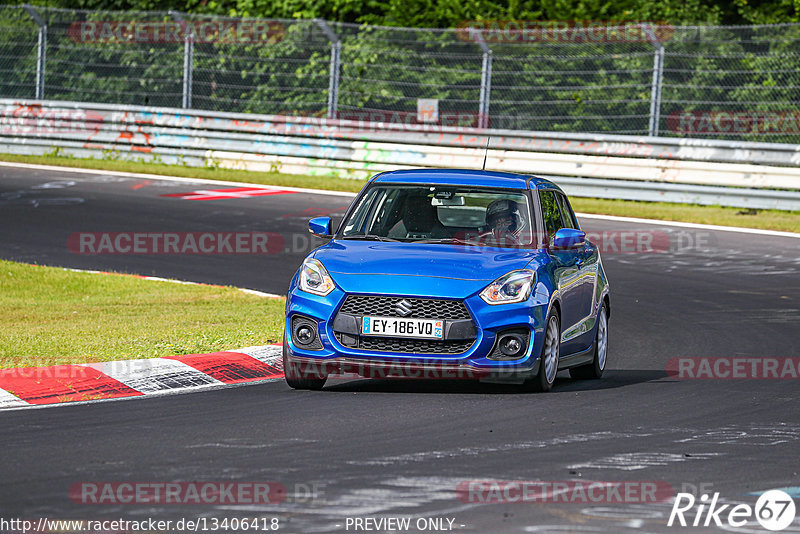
(172, 178)
(345, 194)
(173, 281)
(260, 293)
(698, 226)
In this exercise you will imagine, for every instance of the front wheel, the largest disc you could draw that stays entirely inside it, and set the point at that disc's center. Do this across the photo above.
(548, 361)
(293, 374)
(598, 365)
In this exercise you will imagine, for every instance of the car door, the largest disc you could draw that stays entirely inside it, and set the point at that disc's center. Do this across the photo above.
(587, 257)
(566, 267)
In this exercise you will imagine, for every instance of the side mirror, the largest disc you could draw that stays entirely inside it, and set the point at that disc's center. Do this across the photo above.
(320, 226)
(569, 238)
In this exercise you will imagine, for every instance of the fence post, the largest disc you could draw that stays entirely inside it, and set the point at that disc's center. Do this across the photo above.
(658, 75)
(486, 88)
(486, 79)
(188, 58)
(336, 58)
(41, 55)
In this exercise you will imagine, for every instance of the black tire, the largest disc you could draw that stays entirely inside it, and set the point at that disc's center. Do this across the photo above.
(548, 360)
(293, 376)
(595, 369)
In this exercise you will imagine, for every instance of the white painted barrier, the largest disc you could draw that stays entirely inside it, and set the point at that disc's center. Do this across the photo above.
(707, 172)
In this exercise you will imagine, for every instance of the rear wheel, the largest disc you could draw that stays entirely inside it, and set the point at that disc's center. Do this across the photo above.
(598, 365)
(293, 375)
(548, 361)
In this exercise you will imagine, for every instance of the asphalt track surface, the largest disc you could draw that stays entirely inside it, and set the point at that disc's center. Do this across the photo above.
(400, 448)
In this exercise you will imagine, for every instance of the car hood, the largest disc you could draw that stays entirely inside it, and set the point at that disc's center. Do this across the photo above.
(435, 270)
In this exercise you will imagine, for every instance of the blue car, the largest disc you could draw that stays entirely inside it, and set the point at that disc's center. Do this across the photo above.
(451, 274)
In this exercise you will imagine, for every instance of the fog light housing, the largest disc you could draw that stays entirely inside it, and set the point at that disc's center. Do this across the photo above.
(511, 345)
(305, 333)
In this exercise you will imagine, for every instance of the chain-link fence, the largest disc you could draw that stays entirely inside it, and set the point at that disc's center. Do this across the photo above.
(717, 82)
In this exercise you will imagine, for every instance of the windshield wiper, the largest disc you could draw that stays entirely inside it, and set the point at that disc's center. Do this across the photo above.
(371, 237)
(447, 240)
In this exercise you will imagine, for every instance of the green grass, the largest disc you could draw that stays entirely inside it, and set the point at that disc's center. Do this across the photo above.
(53, 316)
(788, 221)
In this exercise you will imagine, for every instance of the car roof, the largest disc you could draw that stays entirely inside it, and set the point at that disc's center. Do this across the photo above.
(465, 177)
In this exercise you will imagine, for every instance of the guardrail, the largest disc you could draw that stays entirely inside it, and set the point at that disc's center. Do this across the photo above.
(728, 173)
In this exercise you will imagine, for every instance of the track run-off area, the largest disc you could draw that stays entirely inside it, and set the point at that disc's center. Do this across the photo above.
(700, 396)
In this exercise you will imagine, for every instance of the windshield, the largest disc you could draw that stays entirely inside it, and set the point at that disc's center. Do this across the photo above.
(441, 214)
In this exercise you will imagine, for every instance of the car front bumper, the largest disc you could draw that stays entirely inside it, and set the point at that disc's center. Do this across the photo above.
(478, 361)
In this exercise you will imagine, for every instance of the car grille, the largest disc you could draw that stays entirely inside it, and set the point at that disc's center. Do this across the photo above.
(421, 308)
(412, 346)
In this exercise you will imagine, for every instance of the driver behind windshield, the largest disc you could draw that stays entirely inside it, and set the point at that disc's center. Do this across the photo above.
(504, 220)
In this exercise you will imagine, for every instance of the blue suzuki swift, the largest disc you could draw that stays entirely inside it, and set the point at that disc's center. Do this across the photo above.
(450, 274)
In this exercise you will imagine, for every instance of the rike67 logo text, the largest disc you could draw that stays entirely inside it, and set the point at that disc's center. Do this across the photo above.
(774, 510)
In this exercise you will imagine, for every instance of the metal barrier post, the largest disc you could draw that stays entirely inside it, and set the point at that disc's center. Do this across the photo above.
(486, 79)
(41, 55)
(658, 75)
(188, 59)
(336, 58)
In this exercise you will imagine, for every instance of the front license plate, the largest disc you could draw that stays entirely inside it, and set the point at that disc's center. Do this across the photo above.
(395, 327)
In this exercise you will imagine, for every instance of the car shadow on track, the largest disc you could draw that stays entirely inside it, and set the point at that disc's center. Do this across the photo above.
(611, 380)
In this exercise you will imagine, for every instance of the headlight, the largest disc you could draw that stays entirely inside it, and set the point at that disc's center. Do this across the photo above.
(509, 288)
(315, 279)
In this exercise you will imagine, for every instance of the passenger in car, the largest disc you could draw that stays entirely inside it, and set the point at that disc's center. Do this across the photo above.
(420, 221)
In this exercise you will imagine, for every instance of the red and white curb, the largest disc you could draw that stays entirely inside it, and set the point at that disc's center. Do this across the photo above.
(30, 386)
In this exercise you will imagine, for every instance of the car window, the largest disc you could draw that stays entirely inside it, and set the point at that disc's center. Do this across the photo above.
(357, 222)
(568, 219)
(550, 212)
(432, 212)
